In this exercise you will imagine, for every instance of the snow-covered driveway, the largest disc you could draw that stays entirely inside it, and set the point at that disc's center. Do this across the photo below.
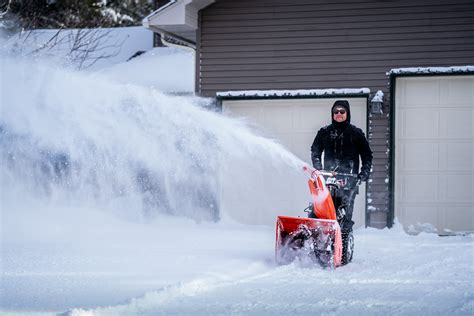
(222, 269)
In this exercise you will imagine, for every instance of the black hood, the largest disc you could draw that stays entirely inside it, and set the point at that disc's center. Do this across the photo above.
(344, 104)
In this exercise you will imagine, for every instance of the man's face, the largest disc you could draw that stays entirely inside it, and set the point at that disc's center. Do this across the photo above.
(339, 114)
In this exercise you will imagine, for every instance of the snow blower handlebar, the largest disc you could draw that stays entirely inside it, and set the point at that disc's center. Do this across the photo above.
(313, 173)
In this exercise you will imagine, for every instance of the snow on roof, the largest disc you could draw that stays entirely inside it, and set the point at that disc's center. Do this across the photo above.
(168, 69)
(105, 47)
(431, 70)
(292, 93)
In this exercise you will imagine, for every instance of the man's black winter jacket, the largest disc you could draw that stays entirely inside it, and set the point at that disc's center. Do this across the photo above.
(342, 146)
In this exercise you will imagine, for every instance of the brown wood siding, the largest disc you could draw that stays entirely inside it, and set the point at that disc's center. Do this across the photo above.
(316, 44)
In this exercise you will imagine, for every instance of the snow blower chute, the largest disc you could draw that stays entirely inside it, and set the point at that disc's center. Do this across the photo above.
(319, 238)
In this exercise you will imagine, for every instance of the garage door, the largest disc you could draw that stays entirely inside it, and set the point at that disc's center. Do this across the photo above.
(293, 123)
(434, 150)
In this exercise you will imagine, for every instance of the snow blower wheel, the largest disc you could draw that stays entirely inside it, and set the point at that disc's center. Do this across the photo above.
(347, 247)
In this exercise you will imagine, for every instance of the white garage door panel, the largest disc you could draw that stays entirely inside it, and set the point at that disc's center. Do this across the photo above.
(457, 157)
(434, 152)
(306, 119)
(411, 94)
(293, 123)
(459, 188)
(358, 116)
(412, 119)
(419, 188)
(251, 115)
(456, 212)
(456, 123)
(277, 118)
(302, 145)
(242, 110)
(414, 156)
(286, 139)
(455, 91)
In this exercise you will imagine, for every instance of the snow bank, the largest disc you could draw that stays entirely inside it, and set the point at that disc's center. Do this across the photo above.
(167, 69)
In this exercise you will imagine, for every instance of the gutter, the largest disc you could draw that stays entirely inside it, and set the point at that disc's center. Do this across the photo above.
(167, 38)
(145, 20)
(173, 40)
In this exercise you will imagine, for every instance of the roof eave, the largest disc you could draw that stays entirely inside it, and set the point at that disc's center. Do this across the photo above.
(177, 19)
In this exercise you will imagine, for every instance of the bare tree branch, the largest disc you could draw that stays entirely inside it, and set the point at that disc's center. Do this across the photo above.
(82, 47)
(50, 43)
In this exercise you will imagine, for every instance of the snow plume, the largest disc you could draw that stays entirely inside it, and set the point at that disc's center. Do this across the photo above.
(78, 139)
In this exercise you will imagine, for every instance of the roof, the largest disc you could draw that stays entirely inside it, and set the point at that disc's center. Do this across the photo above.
(177, 19)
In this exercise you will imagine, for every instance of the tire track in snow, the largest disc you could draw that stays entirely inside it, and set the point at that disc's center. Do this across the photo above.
(153, 303)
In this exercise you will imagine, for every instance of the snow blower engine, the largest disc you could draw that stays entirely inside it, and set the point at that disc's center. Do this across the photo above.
(318, 237)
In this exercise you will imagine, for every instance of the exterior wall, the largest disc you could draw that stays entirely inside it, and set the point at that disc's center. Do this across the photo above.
(317, 44)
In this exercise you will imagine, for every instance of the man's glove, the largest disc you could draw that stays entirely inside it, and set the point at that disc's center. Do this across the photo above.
(362, 176)
(317, 164)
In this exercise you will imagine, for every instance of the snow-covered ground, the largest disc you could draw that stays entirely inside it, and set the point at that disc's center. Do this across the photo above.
(177, 267)
(85, 231)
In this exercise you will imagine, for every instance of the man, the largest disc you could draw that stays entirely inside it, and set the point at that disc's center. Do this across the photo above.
(343, 144)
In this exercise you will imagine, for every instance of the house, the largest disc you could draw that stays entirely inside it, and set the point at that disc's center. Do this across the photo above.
(405, 66)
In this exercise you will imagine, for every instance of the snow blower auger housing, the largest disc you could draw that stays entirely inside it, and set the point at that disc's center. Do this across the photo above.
(318, 239)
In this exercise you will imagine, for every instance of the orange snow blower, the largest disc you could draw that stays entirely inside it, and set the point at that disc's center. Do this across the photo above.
(316, 238)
